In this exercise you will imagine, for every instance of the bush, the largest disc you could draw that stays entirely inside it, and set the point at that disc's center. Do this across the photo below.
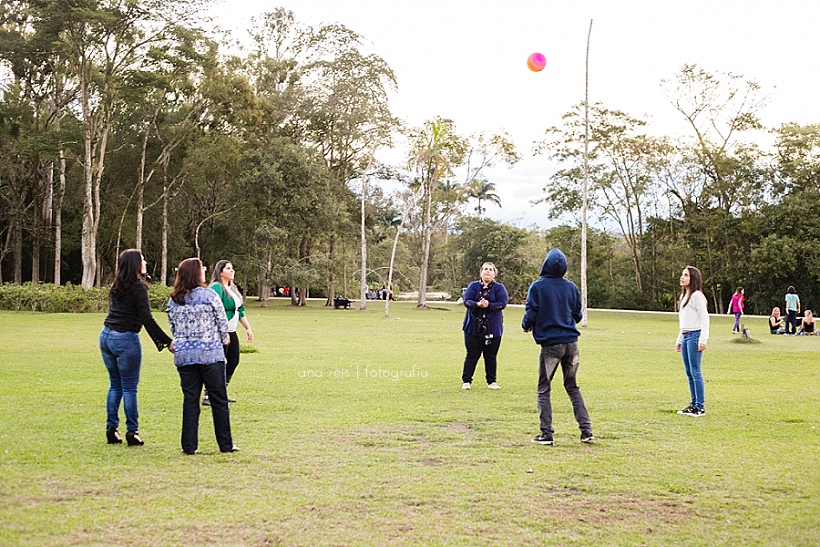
(68, 298)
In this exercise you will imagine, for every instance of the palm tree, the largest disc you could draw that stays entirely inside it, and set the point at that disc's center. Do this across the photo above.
(483, 191)
(435, 149)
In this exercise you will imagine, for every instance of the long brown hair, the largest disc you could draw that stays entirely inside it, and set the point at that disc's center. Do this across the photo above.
(189, 277)
(695, 284)
(129, 272)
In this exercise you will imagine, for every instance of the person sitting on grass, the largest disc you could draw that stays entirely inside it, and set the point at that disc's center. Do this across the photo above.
(777, 322)
(807, 323)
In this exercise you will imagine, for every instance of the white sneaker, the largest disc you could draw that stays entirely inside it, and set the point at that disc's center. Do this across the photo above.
(465, 385)
(493, 386)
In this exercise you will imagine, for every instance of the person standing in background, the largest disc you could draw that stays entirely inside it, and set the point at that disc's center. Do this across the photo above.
(483, 325)
(736, 307)
(222, 282)
(693, 316)
(792, 309)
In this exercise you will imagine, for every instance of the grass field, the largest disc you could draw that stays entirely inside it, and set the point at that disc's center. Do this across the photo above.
(354, 431)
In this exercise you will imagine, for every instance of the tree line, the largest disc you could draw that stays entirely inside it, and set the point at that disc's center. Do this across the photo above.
(126, 124)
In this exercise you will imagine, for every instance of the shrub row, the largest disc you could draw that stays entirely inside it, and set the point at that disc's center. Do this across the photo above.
(68, 298)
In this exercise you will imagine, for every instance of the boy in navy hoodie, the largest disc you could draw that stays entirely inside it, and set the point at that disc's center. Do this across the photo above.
(552, 311)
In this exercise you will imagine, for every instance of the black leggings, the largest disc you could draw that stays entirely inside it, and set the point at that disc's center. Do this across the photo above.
(231, 355)
(476, 346)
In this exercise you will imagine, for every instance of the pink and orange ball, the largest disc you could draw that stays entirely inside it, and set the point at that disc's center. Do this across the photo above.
(536, 62)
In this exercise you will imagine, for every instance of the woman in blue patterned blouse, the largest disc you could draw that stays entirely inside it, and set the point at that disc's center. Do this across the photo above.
(200, 329)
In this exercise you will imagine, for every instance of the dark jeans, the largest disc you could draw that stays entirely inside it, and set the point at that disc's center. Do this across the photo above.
(476, 346)
(231, 356)
(122, 356)
(567, 356)
(791, 320)
(191, 378)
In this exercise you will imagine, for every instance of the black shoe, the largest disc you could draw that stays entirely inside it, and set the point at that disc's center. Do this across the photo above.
(233, 448)
(587, 437)
(113, 435)
(696, 412)
(543, 438)
(686, 410)
(206, 401)
(133, 438)
(231, 400)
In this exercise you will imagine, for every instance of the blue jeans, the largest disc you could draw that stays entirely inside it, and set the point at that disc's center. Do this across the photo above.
(691, 363)
(122, 356)
(736, 328)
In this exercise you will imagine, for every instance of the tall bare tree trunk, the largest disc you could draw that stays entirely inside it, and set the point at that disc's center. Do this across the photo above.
(331, 274)
(585, 320)
(425, 249)
(17, 251)
(390, 271)
(88, 241)
(35, 250)
(58, 218)
(363, 284)
(164, 261)
(141, 190)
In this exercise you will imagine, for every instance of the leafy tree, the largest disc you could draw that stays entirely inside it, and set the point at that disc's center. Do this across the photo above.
(623, 172)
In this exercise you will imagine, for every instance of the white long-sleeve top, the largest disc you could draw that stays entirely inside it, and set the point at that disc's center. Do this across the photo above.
(695, 316)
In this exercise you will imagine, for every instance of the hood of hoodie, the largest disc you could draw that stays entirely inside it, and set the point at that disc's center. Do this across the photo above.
(555, 265)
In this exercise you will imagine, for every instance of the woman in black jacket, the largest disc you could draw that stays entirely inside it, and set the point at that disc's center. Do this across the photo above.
(128, 311)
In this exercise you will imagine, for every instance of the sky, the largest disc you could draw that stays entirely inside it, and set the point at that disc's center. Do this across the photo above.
(466, 60)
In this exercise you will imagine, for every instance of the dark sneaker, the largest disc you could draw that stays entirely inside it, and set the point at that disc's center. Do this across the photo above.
(587, 437)
(231, 400)
(543, 438)
(686, 410)
(206, 401)
(696, 412)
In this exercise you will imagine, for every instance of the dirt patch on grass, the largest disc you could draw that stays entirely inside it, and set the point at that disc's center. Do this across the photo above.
(565, 504)
(459, 427)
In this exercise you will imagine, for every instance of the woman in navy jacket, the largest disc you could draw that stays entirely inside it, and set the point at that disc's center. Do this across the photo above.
(483, 325)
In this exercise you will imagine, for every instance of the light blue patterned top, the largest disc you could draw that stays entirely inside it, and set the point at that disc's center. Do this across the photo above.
(199, 328)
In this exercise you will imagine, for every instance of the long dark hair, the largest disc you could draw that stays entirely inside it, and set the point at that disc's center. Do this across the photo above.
(737, 290)
(695, 284)
(189, 277)
(217, 277)
(129, 272)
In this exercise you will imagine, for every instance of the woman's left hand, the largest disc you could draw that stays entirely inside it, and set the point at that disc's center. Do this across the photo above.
(701, 346)
(250, 334)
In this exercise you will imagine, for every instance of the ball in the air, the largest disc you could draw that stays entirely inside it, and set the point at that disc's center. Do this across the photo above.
(536, 62)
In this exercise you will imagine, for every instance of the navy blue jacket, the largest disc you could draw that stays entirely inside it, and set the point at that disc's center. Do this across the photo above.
(553, 304)
(498, 301)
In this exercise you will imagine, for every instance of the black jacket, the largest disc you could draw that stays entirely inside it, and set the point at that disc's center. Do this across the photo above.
(129, 312)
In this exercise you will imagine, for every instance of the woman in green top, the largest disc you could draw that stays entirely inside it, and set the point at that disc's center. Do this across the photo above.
(224, 286)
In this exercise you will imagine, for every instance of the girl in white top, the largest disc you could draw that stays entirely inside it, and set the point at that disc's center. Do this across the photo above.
(694, 332)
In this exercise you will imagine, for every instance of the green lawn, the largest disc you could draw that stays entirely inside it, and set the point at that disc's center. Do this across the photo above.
(333, 455)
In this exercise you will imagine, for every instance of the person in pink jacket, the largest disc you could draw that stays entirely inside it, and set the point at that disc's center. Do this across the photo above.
(736, 307)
